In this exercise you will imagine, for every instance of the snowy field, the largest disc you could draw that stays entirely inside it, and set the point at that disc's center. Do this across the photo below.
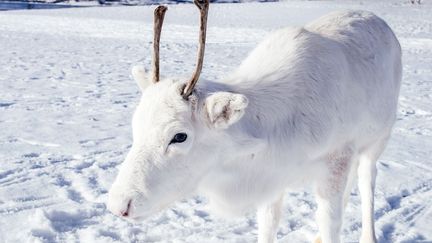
(66, 100)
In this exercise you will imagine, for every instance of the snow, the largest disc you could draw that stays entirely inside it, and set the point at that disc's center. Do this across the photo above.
(66, 100)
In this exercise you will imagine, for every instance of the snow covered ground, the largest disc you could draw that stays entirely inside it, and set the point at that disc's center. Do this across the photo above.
(66, 100)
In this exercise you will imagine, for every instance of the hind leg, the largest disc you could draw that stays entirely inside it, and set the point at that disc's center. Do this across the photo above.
(366, 182)
(350, 181)
(352, 178)
(330, 194)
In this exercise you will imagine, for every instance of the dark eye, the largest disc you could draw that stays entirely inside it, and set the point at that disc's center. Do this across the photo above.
(179, 138)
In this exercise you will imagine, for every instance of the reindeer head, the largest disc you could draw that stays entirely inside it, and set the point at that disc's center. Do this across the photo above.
(177, 134)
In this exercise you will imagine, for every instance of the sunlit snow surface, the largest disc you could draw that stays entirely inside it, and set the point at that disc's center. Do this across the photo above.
(66, 100)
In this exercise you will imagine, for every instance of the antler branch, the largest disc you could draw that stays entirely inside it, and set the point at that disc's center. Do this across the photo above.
(203, 6)
(159, 15)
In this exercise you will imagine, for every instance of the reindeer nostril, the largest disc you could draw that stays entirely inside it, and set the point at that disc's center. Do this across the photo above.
(126, 212)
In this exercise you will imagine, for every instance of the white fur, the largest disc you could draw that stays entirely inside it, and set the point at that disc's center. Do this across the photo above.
(224, 109)
(309, 104)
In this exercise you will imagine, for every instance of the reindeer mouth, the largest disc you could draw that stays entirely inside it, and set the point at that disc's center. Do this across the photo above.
(126, 212)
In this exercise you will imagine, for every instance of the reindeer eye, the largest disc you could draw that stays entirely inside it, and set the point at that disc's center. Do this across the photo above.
(179, 138)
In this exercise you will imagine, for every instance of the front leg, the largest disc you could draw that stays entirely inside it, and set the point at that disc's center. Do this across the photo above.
(268, 217)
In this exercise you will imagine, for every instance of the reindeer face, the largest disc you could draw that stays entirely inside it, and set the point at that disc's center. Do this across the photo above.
(158, 168)
(175, 145)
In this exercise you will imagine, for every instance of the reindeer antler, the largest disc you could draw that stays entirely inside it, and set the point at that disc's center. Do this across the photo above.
(159, 15)
(203, 7)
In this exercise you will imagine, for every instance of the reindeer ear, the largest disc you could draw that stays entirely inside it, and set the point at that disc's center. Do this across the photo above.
(141, 76)
(223, 109)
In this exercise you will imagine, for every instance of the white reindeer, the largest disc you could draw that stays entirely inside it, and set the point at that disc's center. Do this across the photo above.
(314, 104)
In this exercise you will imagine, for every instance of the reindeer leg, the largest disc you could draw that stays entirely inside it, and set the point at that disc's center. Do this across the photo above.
(330, 193)
(366, 183)
(268, 221)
